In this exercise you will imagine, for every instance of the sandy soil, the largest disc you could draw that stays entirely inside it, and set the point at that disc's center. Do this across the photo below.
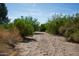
(47, 45)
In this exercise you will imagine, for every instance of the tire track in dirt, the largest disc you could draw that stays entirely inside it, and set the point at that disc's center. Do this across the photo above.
(48, 45)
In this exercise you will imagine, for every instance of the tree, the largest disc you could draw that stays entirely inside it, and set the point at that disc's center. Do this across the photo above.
(3, 14)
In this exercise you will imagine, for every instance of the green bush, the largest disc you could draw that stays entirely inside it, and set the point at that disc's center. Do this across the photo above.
(67, 26)
(33, 22)
(24, 27)
(43, 27)
(69, 31)
(62, 30)
(54, 24)
(74, 37)
(51, 27)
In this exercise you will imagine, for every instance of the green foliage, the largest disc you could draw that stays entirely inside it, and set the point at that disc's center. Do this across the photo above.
(43, 27)
(33, 22)
(54, 24)
(74, 36)
(3, 14)
(24, 26)
(67, 26)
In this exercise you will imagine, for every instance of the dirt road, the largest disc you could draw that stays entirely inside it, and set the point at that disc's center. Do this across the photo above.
(44, 44)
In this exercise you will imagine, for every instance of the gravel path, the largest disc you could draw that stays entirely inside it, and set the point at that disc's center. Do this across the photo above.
(48, 45)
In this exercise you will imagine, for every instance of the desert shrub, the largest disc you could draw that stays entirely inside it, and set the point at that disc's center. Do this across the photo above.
(64, 25)
(33, 22)
(9, 36)
(62, 30)
(74, 37)
(8, 39)
(68, 32)
(43, 27)
(51, 28)
(24, 26)
(54, 24)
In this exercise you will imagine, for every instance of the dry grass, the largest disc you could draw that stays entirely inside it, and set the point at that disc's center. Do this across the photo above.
(8, 38)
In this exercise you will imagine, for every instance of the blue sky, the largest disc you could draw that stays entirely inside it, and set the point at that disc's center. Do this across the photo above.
(41, 11)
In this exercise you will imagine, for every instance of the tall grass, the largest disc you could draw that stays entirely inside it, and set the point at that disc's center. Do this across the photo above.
(8, 39)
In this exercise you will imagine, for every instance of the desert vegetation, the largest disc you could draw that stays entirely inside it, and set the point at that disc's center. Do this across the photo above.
(67, 26)
(13, 32)
(43, 27)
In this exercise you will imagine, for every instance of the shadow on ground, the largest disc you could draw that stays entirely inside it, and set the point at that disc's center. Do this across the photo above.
(27, 40)
(38, 33)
